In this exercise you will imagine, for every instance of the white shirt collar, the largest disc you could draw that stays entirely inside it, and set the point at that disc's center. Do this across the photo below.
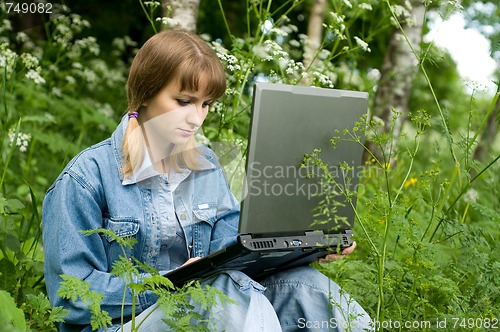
(146, 170)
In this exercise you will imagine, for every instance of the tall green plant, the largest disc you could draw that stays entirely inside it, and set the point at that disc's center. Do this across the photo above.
(48, 96)
(176, 303)
(421, 241)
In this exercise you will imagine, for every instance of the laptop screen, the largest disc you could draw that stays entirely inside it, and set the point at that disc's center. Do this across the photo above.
(287, 123)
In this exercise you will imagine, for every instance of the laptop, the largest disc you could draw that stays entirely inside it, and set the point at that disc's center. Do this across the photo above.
(278, 228)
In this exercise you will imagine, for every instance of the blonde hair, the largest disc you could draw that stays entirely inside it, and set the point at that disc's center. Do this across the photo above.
(165, 57)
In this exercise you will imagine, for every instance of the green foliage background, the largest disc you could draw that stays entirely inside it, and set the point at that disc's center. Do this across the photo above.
(428, 213)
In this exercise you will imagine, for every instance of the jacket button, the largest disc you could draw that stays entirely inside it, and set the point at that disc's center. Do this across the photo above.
(183, 216)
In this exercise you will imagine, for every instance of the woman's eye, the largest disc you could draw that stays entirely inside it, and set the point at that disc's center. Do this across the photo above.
(207, 103)
(183, 102)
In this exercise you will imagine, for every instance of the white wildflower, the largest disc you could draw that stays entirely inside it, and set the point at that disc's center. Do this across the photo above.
(267, 27)
(201, 138)
(77, 65)
(294, 43)
(29, 60)
(152, 4)
(337, 18)
(169, 22)
(89, 43)
(22, 140)
(50, 117)
(324, 54)
(374, 74)
(323, 79)
(107, 110)
(56, 92)
(475, 85)
(122, 43)
(231, 60)
(290, 28)
(362, 44)
(70, 79)
(275, 49)
(63, 34)
(365, 6)
(22, 37)
(347, 3)
(400, 11)
(35, 76)
(5, 25)
(217, 107)
(471, 196)
(262, 52)
(280, 32)
(89, 75)
(52, 68)
(7, 58)
(456, 5)
(113, 76)
(77, 23)
(75, 52)
(99, 66)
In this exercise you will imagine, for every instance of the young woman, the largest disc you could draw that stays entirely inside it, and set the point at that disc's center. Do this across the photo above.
(148, 181)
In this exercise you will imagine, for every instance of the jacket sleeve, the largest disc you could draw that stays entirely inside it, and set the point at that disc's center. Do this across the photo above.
(72, 205)
(225, 230)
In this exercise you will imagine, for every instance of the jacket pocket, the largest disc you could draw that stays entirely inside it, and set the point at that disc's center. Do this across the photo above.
(205, 213)
(121, 227)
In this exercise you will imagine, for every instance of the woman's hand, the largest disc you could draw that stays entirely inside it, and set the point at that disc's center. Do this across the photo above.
(191, 260)
(334, 257)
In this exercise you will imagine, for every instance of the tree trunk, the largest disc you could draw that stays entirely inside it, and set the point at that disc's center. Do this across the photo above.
(398, 70)
(314, 31)
(184, 12)
(488, 135)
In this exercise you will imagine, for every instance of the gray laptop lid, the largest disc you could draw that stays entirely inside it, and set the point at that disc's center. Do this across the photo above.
(287, 123)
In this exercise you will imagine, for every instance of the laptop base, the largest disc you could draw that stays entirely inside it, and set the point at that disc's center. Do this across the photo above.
(261, 257)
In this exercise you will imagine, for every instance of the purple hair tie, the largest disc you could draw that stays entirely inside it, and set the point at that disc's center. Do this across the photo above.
(134, 115)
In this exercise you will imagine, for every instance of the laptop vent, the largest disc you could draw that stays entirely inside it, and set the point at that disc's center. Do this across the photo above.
(263, 244)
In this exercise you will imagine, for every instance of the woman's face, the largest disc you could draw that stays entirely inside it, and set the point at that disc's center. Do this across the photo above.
(173, 116)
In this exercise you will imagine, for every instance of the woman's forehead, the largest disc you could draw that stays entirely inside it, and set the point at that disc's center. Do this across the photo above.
(188, 87)
(200, 83)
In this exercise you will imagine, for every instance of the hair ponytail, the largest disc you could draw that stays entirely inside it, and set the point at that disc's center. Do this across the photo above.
(132, 146)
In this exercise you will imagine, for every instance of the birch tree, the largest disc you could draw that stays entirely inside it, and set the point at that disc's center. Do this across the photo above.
(485, 17)
(314, 31)
(398, 70)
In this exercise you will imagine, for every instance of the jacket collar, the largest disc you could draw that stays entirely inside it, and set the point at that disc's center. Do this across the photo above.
(146, 170)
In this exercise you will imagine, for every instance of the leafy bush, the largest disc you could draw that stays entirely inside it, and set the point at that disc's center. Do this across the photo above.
(53, 93)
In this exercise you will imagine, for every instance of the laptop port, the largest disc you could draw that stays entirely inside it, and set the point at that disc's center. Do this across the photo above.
(295, 243)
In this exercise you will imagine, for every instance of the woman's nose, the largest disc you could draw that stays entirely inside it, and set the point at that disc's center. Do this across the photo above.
(195, 116)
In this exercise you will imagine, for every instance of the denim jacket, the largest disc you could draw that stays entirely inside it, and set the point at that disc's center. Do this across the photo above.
(90, 194)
